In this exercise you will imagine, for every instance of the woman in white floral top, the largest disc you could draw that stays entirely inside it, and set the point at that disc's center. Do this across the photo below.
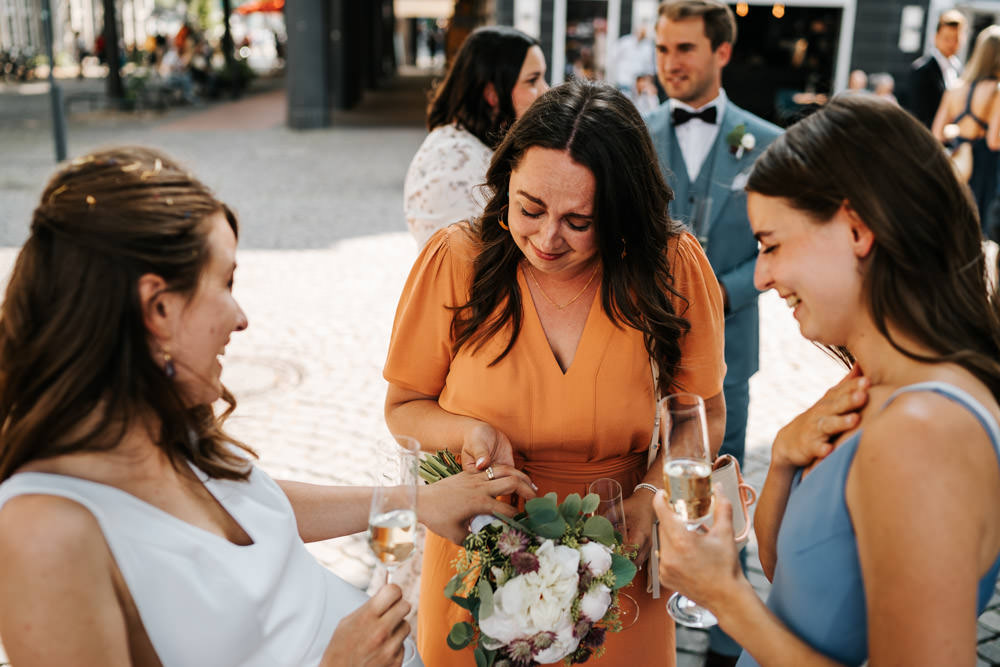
(497, 74)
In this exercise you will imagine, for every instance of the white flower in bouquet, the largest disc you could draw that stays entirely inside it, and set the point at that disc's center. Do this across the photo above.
(536, 601)
(596, 557)
(595, 603)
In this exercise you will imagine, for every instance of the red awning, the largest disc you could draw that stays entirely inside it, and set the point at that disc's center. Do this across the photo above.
(261, 6)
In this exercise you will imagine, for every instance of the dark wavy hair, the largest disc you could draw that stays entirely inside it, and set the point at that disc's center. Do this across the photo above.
(76, 368)
(601, 130)
(926, 274)
(492, 54)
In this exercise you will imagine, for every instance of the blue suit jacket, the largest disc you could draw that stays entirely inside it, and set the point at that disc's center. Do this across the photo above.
(731, 247)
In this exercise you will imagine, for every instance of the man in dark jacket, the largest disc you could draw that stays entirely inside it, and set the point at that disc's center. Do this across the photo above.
(935, 72)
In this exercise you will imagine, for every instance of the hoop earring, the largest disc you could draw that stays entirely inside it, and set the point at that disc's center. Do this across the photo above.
(168, 365)
(502, 221)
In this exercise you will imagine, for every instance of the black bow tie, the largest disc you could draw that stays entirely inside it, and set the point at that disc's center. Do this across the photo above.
(682, 116)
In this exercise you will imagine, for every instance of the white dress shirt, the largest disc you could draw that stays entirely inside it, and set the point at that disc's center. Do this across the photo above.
(951, 67)
(696, 137)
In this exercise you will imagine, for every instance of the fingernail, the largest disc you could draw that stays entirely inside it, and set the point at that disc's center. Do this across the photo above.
(480, 461)
(534, 486)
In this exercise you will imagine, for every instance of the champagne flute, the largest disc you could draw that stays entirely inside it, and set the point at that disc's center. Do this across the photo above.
(687, 479)
(612, 508)
(392, 520)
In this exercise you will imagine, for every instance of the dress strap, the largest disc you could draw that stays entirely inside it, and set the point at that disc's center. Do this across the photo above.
(961, 397)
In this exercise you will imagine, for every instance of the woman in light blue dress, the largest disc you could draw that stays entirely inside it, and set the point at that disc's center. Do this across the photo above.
(879, 522)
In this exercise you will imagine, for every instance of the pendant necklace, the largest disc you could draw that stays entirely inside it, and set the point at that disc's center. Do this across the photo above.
(531, 272)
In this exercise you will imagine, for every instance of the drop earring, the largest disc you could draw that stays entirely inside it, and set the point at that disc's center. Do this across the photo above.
(168, 365)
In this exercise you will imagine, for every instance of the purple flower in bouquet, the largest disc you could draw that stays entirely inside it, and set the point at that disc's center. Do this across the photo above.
(524, 562)
(511, 541)
(520, 652)
(595, 638)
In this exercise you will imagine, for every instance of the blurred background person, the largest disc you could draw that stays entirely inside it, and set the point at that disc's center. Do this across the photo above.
(857, 81)
(963, 118)
(884, 85)
(937, 71)
(497, 74)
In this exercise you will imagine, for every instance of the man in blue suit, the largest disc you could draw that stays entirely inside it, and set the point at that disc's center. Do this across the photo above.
(706, 146)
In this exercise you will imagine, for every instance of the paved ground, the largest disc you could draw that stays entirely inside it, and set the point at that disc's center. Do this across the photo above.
(323, 257)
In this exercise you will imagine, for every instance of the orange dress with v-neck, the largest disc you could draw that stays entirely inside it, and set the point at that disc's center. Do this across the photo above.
(567, 429)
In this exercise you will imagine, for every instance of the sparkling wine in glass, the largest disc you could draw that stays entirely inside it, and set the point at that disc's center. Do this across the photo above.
(687, 479)
(612, 508)
(392, 520)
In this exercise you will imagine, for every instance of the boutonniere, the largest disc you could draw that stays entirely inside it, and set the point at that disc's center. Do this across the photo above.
(740, 141)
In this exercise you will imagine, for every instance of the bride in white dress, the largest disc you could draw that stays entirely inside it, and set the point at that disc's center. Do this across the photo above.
(133, 529)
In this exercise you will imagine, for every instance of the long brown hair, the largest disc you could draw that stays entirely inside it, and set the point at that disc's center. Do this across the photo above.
(491, 54)
(76, 369)
(602, 131)
(926, 274)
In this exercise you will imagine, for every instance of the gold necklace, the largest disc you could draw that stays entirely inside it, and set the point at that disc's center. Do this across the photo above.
(531, 272)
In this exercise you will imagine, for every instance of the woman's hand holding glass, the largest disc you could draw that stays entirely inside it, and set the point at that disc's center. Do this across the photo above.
(699, 565)
(639, 515)
(373, 635)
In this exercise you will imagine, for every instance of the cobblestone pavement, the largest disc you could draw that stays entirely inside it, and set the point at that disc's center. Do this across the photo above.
(322, 260)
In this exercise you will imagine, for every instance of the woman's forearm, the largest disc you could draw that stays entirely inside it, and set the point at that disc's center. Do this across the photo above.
(770, 511)
(424, 419)
(324, 512)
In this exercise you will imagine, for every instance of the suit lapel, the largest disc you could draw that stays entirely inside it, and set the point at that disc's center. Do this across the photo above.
(675, 169)
(726, 166)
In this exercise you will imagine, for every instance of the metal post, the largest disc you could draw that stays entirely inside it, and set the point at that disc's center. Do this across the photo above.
(58, 111)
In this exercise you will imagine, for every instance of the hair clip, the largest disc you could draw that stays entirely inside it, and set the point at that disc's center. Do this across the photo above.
(58, 191)
(91, 202)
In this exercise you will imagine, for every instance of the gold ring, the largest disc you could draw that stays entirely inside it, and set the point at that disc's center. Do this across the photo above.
(489, 473)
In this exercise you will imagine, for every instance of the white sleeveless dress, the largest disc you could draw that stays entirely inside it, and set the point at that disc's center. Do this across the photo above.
(204, 600)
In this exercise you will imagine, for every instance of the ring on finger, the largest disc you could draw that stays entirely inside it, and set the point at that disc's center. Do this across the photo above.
(489, 473)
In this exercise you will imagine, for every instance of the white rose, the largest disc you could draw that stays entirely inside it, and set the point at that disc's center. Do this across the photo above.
(748, 141)
(507, 622)
(538, 601)
(595, 603)
(596, 557)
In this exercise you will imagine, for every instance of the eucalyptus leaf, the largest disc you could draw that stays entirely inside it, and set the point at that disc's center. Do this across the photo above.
(542, 515)
(513, 523)
(553, 530)
(623, 569)
(454, 584)
(485, 599)
(600, 529)
(570, 508)
(590, 503)
(480, 654)
(460, 636)
(548, 501)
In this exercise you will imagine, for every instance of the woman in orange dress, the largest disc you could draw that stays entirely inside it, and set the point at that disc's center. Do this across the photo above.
(525, 339)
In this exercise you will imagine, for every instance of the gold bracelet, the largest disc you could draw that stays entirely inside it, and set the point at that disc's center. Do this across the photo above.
(645, 485)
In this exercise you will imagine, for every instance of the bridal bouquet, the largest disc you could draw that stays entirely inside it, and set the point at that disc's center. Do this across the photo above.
(541, 586)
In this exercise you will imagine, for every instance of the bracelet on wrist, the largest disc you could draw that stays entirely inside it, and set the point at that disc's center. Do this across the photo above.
(645, 485)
